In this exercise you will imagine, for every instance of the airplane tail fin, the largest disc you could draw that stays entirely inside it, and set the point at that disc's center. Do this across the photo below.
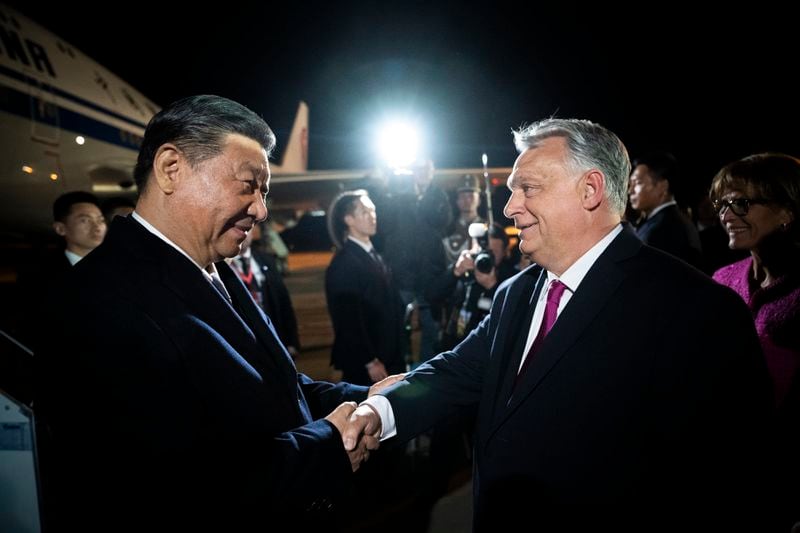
(295, 156)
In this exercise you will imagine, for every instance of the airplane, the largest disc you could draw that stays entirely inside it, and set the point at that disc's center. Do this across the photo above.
(68, 123)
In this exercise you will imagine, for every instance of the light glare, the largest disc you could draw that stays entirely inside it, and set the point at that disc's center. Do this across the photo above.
(398, 143)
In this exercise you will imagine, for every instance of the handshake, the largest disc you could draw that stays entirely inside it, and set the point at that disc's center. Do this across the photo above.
(360, 427)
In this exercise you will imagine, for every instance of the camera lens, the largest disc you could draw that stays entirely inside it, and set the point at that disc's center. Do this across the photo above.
(484, 262)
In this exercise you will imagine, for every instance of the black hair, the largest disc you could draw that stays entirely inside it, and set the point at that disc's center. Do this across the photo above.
(198, 126)
(63, 204)
(499, 232)
(662, 166)
(341, 206)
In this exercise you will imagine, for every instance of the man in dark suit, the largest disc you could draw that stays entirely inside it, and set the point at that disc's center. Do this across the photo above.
(583, 397)
(663, 225)
(171, 403)
(77, 219)
(363, 302)
(259, 274)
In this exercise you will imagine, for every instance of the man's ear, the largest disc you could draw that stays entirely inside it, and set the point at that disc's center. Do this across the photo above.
(662, 186)
(167, 166)
(60, 228)
(593, 189)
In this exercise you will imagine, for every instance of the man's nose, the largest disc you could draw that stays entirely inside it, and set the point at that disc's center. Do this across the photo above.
(512, 205)
(261, 211)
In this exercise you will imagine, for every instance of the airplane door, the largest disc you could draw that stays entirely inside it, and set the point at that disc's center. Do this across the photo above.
(45, 127)
(45, 121)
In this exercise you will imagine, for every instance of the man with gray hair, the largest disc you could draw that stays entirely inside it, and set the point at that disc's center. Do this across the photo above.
(583, 397)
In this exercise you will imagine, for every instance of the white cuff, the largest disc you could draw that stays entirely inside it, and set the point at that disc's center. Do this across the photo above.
(384, 409)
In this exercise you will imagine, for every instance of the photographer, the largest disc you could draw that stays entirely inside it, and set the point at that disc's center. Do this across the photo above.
(479, 271)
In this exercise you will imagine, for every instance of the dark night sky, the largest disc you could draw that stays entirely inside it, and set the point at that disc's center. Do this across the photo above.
(709, 88)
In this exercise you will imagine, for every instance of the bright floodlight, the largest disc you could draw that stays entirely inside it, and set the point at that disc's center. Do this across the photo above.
(398, 143)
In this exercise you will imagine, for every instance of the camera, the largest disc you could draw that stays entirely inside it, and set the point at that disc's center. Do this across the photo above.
(484, 258)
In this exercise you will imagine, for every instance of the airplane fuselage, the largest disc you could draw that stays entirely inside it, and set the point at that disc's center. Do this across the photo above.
(66, 122)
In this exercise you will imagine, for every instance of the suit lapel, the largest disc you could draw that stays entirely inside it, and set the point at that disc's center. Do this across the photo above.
(515, 317)
(514, 334)
(257, 321)
(360, 255)
(182, 277)
(646, 227)
(594, 293)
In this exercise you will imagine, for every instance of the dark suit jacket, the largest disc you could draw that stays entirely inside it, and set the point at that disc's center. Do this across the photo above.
(27, 324)
(170, 410)
(672, 231)
(276, 302)
(35, 286)
(366, 312)
(658, 410)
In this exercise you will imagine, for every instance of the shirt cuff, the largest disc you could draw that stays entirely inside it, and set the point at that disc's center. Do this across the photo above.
(384, 409)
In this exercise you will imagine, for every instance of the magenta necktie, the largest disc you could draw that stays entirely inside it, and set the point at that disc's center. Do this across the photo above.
(550, 313)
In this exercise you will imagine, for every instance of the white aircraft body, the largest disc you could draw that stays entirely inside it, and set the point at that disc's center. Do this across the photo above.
(50, 95)
(67, 123)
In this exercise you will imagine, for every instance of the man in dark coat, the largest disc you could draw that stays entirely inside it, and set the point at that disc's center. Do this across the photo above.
(171, 403)
(584, 397)
(363, 301)
(662, 224)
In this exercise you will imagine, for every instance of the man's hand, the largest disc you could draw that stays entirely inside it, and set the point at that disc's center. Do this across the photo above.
(487, 281)
(382, 384)
(339, 416)
(359, 452)
(364, 425)
(464, 264)
(376, 370)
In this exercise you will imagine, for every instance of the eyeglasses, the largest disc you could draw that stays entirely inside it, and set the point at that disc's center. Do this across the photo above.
(739, 206)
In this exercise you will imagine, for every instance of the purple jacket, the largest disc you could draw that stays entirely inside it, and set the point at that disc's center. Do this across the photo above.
(776, 311)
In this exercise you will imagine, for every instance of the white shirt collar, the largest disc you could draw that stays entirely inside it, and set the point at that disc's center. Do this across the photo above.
(366, 246)
(210, 270)
(661, 207)
(72, 257)
(573, 276)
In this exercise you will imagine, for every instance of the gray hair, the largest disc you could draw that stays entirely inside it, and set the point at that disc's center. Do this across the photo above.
(590, 146)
